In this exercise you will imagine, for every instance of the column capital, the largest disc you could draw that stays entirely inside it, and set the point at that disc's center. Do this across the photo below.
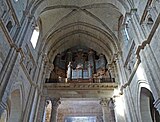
(49, 66)
(55, 102)
(104, 102)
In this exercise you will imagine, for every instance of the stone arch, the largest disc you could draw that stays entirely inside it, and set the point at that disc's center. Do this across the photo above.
(88, 27)
(15, 102)
(61, 45)
(15, 106)
(40, 6)
(52, 41)
(147, 112)
(145, 109)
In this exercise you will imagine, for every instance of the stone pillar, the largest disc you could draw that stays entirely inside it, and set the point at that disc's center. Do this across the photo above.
(44, 115)
(55, 104)
(104, 104)
(111, 107)
(41, 109)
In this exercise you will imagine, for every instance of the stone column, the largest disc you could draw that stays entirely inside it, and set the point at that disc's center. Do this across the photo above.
(41, 109)
(104, 104)
(55, 104)
(111, 107)
(45, 111)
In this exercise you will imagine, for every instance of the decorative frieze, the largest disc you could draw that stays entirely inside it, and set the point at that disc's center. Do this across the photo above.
(80, 86)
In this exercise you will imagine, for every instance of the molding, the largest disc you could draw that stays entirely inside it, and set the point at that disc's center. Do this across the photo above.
(145, 11)
(6, 33)
(13, 12)
(80, 86)
(157, 104)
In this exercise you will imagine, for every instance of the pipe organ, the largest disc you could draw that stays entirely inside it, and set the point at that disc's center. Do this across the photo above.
(80, 64)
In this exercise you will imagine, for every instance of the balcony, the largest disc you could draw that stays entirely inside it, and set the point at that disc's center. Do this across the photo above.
(91, 80)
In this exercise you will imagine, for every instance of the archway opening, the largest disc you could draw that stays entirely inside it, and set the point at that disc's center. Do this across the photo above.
(148, 112)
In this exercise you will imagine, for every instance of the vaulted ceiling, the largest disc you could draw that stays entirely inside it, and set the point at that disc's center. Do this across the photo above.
(90, 23)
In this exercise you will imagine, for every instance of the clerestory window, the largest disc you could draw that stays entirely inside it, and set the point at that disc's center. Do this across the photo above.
(34, 37)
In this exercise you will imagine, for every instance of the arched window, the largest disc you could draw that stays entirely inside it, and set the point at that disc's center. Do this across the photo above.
(9, 26)
(35, 36)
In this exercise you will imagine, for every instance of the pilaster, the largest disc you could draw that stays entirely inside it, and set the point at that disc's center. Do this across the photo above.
(41, 109)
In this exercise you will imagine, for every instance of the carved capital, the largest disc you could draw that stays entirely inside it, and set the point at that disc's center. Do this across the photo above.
(44, 57)
(55, 103)
(49, 66)
(104, 102)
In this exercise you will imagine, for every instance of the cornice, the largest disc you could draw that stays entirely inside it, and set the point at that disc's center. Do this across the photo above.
(80, 86)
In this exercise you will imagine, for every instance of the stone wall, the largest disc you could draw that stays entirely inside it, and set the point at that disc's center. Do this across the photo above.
(134, 62)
